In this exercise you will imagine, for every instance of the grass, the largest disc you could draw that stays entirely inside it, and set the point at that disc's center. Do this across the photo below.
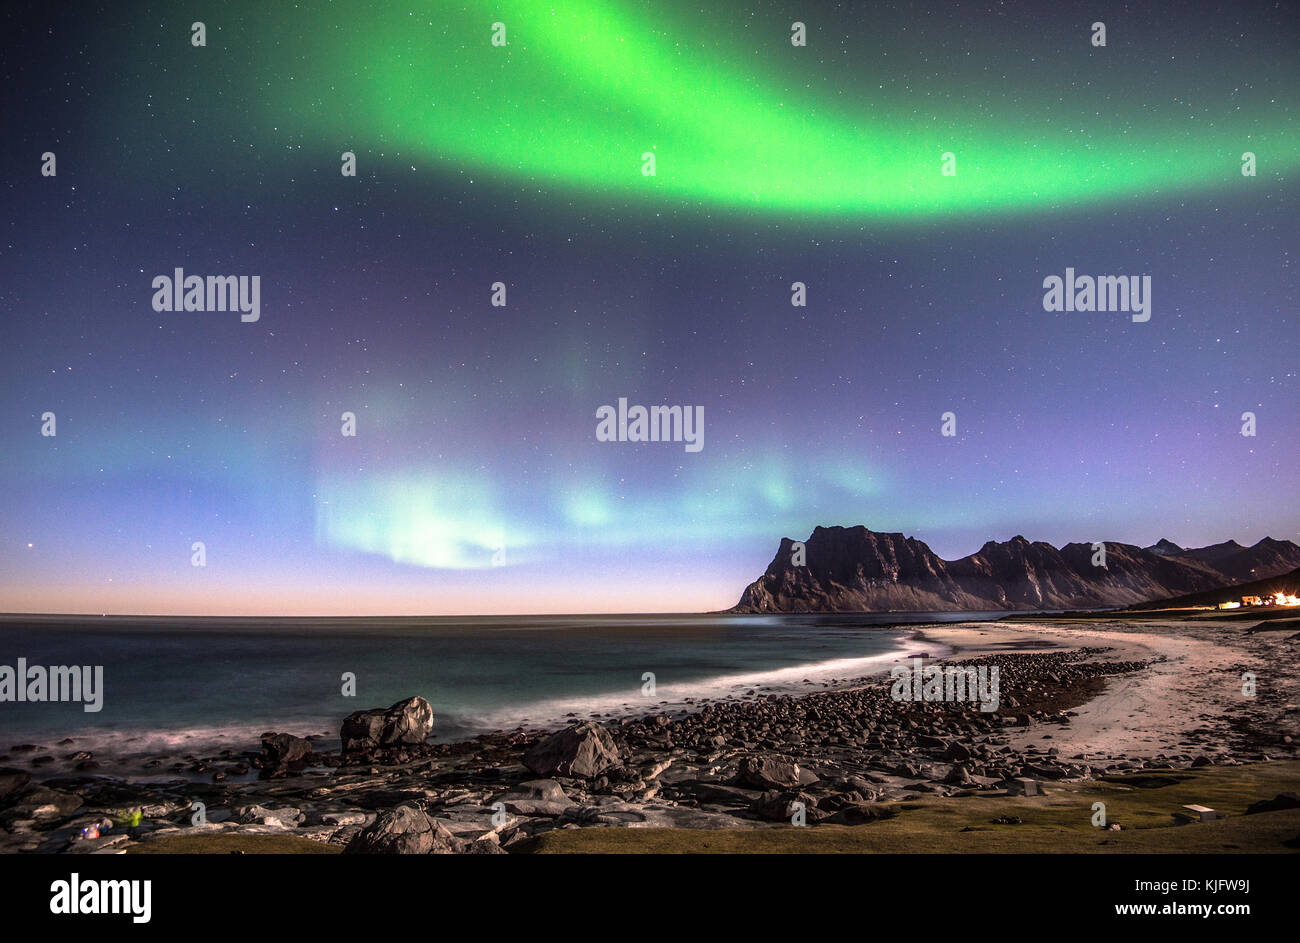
(1059, 822)
(232, 842)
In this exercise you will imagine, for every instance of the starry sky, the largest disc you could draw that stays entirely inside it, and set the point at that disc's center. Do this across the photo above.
(475, 483)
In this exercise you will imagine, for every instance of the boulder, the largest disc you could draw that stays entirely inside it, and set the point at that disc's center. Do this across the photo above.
(403, 831)
(12, 782)
(284, 749)
(776, 806)
(959, 775)
(537, 797)
(259, 815)
(770, 772)
(406, 723)
(957, 753)
(581, 751)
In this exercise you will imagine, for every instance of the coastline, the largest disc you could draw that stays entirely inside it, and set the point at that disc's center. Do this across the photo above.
(1083, 700)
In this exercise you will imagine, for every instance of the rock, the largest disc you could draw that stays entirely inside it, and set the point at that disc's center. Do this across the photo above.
(407, 722)
(860, 813)
(362, 730)
(284, 749)
(537, 797)
(94, 846)
(1043, 772)
(582, 751)
(959, 775)
(546, 789)
(718, 793)
(536, 807)
(403, 831)
(1283, 800)
(607, 810)
(769, 772)
(957, 753)
(257, 815)
(470, 822)
(12, 782)
(43, 805)
(776, 806)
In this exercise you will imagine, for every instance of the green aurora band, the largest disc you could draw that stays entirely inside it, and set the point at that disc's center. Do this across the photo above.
(582, 90)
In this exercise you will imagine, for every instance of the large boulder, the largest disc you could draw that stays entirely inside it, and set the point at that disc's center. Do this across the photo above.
(406, 723)
(769, 772)
(284, 749)
(776, 806)
(403, 831)
(581, 751)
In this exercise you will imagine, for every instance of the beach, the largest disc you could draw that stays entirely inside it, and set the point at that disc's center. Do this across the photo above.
(1083, 703)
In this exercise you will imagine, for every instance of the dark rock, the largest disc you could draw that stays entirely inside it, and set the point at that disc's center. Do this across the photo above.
(581, 751)
(43, 804)
(407, 722)
(958, 776)
(284, 749)
(777, 806)
(12, 782)
(769, 772)
(403, 831)
(1283, 800)
(957, 753)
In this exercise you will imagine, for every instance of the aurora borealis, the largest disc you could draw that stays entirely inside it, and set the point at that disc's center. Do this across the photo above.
(581, 90)
(475, 482)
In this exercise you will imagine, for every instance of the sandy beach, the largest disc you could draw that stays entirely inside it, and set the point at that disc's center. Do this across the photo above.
(1188, 698)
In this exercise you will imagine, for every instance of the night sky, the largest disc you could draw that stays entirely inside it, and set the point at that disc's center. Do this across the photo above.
(522, 164)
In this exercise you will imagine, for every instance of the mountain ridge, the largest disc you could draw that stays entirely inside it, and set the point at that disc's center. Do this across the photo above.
(854, 569)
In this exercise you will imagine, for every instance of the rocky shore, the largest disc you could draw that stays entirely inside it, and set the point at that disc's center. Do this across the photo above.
(840, 756)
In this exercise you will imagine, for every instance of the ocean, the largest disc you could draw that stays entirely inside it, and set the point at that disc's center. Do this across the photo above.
(196, 687)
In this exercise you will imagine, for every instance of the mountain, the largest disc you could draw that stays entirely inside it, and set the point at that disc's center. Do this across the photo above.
(1267, 558)
(1287, 583)
(1164, 547)
(853, 569)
